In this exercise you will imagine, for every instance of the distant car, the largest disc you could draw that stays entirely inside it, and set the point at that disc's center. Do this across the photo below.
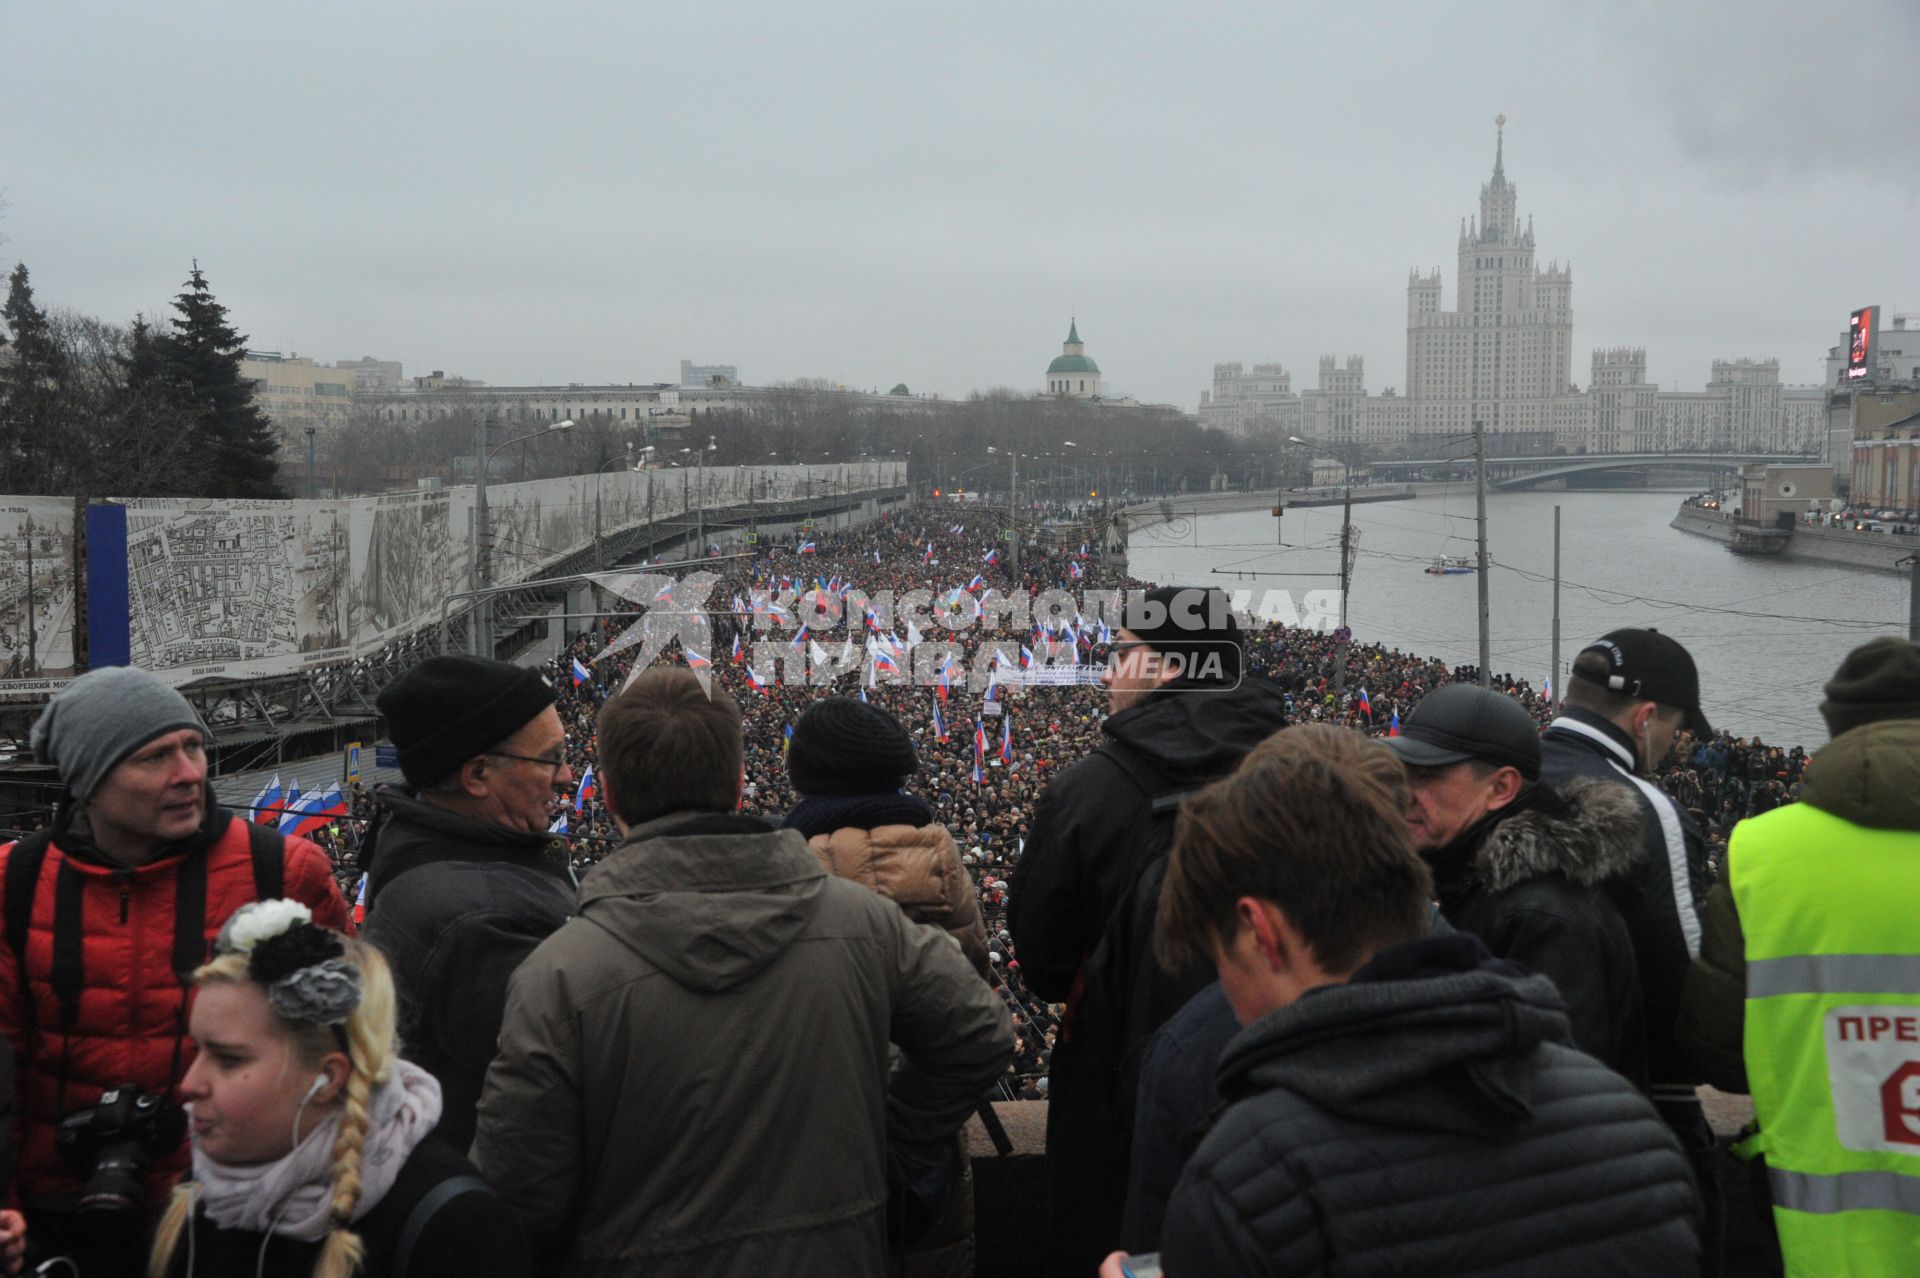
(1871, 525)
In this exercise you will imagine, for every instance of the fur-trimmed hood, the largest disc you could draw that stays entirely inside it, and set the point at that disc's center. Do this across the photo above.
(1588, 830)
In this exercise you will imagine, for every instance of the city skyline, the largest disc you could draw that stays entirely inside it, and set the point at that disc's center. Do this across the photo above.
(927, 199)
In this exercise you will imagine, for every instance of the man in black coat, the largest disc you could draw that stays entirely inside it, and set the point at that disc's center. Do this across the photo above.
(1524, 867)
(1397, 1103)
(463, 880)
(1629, 695)
(1179, 717)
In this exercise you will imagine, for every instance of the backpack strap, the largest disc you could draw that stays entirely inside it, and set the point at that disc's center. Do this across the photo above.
(423, 1213)
(24, 860)
(269, 848)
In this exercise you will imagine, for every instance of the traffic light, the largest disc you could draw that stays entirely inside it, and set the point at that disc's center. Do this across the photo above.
(936, 492)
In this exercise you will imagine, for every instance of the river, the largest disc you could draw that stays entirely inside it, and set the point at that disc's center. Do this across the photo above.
(1766, 633)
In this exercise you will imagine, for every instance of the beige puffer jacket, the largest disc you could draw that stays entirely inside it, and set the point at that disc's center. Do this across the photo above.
(918, 869)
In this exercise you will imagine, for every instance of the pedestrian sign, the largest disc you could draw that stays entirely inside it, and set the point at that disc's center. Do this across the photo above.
(353, 762)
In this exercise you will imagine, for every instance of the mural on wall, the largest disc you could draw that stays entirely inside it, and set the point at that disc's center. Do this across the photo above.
(200, 588)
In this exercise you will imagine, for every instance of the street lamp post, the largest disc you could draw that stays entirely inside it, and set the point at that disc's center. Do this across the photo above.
(1343, 634)
(599, 483)
(482, 534)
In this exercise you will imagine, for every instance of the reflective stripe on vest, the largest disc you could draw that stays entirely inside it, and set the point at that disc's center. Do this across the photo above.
(1833, 974)
(1848, 1191)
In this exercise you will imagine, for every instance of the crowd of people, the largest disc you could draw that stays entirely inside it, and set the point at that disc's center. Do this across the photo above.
(631, 936)
(1720, 781)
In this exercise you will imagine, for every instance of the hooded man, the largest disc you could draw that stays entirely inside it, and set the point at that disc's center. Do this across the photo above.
(462, 876)
(1180, 716)
(694, 1075)
(1807, 988)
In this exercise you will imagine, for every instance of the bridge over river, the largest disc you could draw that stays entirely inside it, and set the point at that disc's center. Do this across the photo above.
(1531, 472)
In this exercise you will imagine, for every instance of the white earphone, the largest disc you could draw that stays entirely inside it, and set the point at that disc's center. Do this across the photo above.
(319, 1081)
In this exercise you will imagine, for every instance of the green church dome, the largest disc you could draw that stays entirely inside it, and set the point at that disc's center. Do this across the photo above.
(1073, 364)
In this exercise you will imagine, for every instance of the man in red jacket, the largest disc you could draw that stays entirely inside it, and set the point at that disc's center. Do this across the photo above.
(107, 915)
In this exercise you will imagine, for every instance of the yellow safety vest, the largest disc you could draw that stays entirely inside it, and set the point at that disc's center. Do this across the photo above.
(1831, 914)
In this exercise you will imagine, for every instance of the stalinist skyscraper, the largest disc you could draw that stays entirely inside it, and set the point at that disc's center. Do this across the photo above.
(1504, 353)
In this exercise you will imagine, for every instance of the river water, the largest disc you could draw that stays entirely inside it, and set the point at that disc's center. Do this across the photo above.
(1766, 633)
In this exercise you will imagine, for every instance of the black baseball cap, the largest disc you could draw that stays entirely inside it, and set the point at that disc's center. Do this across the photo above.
(1460, 721)
(1649, 665)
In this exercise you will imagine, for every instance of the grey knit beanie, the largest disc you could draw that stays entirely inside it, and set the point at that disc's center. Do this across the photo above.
(95, 722)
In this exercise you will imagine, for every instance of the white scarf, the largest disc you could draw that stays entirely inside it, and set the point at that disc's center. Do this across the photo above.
(291, 1195)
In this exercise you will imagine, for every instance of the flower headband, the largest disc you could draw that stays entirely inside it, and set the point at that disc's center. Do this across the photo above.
(302, 966)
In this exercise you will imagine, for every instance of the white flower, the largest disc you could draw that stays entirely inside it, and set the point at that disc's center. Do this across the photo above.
(254, 923)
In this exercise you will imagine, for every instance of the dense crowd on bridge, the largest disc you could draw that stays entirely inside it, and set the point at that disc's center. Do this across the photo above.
(1720, 781)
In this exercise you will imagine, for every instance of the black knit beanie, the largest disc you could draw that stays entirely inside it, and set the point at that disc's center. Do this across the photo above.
(1195, 622)
(448, 709)
(1879, 680)
(844, 746)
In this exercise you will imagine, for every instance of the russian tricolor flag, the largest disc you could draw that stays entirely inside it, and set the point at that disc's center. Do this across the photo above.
(939, 723)
(266, 804)
(1366, 705)
(993, 556)
(807, 548)
(1006, 738)
(754, 680)
(586, 791)
(1393, 728)
(286, 814)
(580, 673)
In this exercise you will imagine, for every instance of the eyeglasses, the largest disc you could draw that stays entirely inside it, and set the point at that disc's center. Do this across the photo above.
(552, 765)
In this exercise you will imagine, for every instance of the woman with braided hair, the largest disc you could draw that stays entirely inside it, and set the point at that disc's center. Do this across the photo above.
(312, 1143)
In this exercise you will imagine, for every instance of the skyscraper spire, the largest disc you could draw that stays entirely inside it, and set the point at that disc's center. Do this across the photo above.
(1499, 145)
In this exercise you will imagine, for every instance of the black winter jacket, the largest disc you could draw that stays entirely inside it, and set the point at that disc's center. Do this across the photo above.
(1428, 1117)
(1089, 830)
(1528, 883)
(1075, 867)
(1662, 903)
(456, 905)
(469, 1235)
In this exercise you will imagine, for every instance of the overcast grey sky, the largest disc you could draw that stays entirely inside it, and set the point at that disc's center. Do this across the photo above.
(881, 193)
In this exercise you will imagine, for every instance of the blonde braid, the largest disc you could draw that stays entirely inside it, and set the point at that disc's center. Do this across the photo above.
(370, 1049)
(166, 1239)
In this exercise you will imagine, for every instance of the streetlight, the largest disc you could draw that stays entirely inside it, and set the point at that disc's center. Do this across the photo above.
(599, 483)
(1341, 635)
(482, 534)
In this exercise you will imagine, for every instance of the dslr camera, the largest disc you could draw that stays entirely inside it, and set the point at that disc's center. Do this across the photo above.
(114, 1142)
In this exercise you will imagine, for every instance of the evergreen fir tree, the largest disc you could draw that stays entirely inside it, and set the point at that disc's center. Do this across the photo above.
(233, 437)
(30, 384)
